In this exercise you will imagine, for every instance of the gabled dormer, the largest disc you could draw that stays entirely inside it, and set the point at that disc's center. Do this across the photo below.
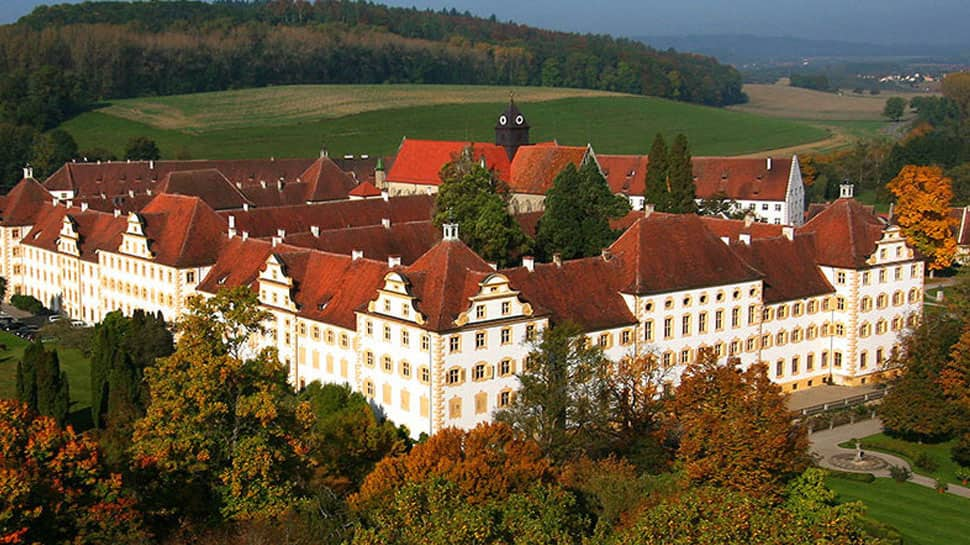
(133, 241)
(891, 248)
(67, 242)
(395, 300)
(275, 286)
(495, 300)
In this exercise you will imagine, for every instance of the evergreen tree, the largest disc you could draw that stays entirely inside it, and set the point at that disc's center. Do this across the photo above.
(41, 384)
(579, 208)
(106, 354)
(473, 197)
(681, 178)
(656, 191)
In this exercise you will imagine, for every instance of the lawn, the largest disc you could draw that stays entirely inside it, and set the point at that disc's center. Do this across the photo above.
(938, 452)
(73, 362)
(922, 515)
(613, 124)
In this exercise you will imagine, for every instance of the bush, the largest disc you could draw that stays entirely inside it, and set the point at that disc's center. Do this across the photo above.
(884, 532)
(941, 486)
(27, 303)
(900, 474)
(850, 476)
(961, 451)
(924, 461)
(963, 474)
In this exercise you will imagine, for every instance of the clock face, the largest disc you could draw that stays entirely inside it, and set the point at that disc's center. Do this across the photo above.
(519, 119)
(503, 120)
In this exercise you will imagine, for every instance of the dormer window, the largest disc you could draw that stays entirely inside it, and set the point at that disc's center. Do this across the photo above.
(480, 312)
(506, 308)
(387, 306)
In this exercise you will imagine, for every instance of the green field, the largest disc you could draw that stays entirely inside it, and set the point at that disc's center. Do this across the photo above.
(73, 362)
(922, 515)
(221, 125)
(938, 452)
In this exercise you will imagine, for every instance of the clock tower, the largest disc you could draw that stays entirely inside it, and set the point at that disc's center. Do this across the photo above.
(512, 130)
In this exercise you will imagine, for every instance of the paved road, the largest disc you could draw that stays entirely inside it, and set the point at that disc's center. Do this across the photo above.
(825, 444)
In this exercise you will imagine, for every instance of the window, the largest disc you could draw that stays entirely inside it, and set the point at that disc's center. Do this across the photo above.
(898, 271)
(506, 308)
(840, 277)
(405, 338)
(425, 343)
(794, 365)
(777, 207)
(530, 332)
(648, 330)
(668, 327)
(369, 388)
(881, 327)
(898, 298)
(506, 367)
(480, 372)
(779, 368)
(766, 341)
(812, 306)
(387, 305)
(735, 347)
(702, 322)
(685, 325)
(604, 340)
(405, 309)
(454, 343)
(882, 276)
(370, 328)
(344, 341)
(387, 364)
(837, 359)
(625, 337)
(480, 312)
(666, 359)
(405, 369)
(504, 398)
(424, 375)
(369, 359)
(796, 335)
(809, 362)
(506, 335)
(752, 314)
(766, 315)
(453, 376)
(879, 356)
(479, 339)
(387, 333)
(764, 206)
(718, 320)
(881, 300)
(685, 356)
(866, 278)
(863, 360)
(735, 317)
(781, 338)
(782, 312)
(865, 330)
(865, 304)
(190, 277)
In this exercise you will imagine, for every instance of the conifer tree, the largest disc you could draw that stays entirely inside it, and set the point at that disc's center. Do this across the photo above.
(683, 191)
(656, 192)
(41, 384)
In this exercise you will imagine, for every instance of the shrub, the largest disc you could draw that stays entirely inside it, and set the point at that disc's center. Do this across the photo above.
(941, 486)
(900, 474)
(27, 303)
(886, 534)
(925, 461)
(963, 474)
(850, 476)
(961, 451)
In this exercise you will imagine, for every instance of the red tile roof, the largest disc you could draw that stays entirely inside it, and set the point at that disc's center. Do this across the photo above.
(238, 264)
(845, 234)
(264, 222)
(96, 230)
(670, 252)
(625, 174)
(183, 231)
(406, 240)
(420, 161)
(365, 190)
(742, 178)
(47, 228)
(23, 203)
(209, 185)
(734, 228)
(552, 288)
(788, 265)
(443, 279)
(326, 181)
(534, 168)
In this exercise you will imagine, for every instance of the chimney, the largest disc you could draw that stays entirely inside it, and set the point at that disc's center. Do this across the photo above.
(529, 263)
(117, 213)
(131, 193)
(245, 207)
(726, 240)
(748, 219)
(245, 235)
(148, 192)
(262, 184)
(606, 254)
(648, 209)
(54, 202)
(745, 238)
(28, 172)
(393, 261)
(70, 204)
(892, 205)
(281, 233)
(557, 259)
(279, 184)
(788, 232)
(493, 265)
(276, 241)
(232, 233)
(845, 190)
(386, 222)
(315, 230)
(385, 195)
(768, 161)
(364, 156)
(151, 165)
(84, 206)
(232, 222)
(238, 185)
(356, 254)
(324, 152)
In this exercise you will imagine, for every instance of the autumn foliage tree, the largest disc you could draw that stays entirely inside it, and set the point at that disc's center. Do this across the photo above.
(922, 210)
(735, 429)
(224, 426)
(54, 489)
(489, 462)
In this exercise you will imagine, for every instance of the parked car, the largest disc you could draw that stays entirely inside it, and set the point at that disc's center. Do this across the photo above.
(78, 323)
(54, 317)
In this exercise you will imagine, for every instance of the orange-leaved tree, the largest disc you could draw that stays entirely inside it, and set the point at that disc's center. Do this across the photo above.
(735, 429)
(489, 462)
(53, 487)
(922, 210)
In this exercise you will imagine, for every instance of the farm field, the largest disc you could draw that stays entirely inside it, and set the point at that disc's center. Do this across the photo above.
(781, 100)
(922, 515)
(241, 124)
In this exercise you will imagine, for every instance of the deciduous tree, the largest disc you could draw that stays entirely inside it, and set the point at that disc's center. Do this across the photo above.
(735, 429)
(142, 148)
(895, 108)
(51, 150)
(226, 426)
(956, 88)
(922, 210)
(54, 490)
(473, 197)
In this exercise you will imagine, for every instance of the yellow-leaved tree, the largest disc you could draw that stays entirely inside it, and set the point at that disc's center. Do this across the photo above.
(923, 197)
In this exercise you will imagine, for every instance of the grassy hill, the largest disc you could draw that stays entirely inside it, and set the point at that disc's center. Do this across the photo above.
(294, 121)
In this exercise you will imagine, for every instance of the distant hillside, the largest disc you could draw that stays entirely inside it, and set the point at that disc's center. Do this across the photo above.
(740, 49)
(129, 49)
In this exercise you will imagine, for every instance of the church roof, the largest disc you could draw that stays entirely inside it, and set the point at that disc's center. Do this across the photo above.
(512, 113)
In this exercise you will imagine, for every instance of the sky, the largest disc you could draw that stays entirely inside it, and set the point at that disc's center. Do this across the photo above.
(873, 21)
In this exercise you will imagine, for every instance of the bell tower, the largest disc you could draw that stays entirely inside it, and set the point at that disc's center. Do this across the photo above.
(512, 130)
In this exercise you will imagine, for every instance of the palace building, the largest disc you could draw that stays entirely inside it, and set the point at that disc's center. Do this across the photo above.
(363, 289)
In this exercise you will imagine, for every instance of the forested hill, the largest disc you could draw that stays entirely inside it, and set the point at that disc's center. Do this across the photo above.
(127, 49)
